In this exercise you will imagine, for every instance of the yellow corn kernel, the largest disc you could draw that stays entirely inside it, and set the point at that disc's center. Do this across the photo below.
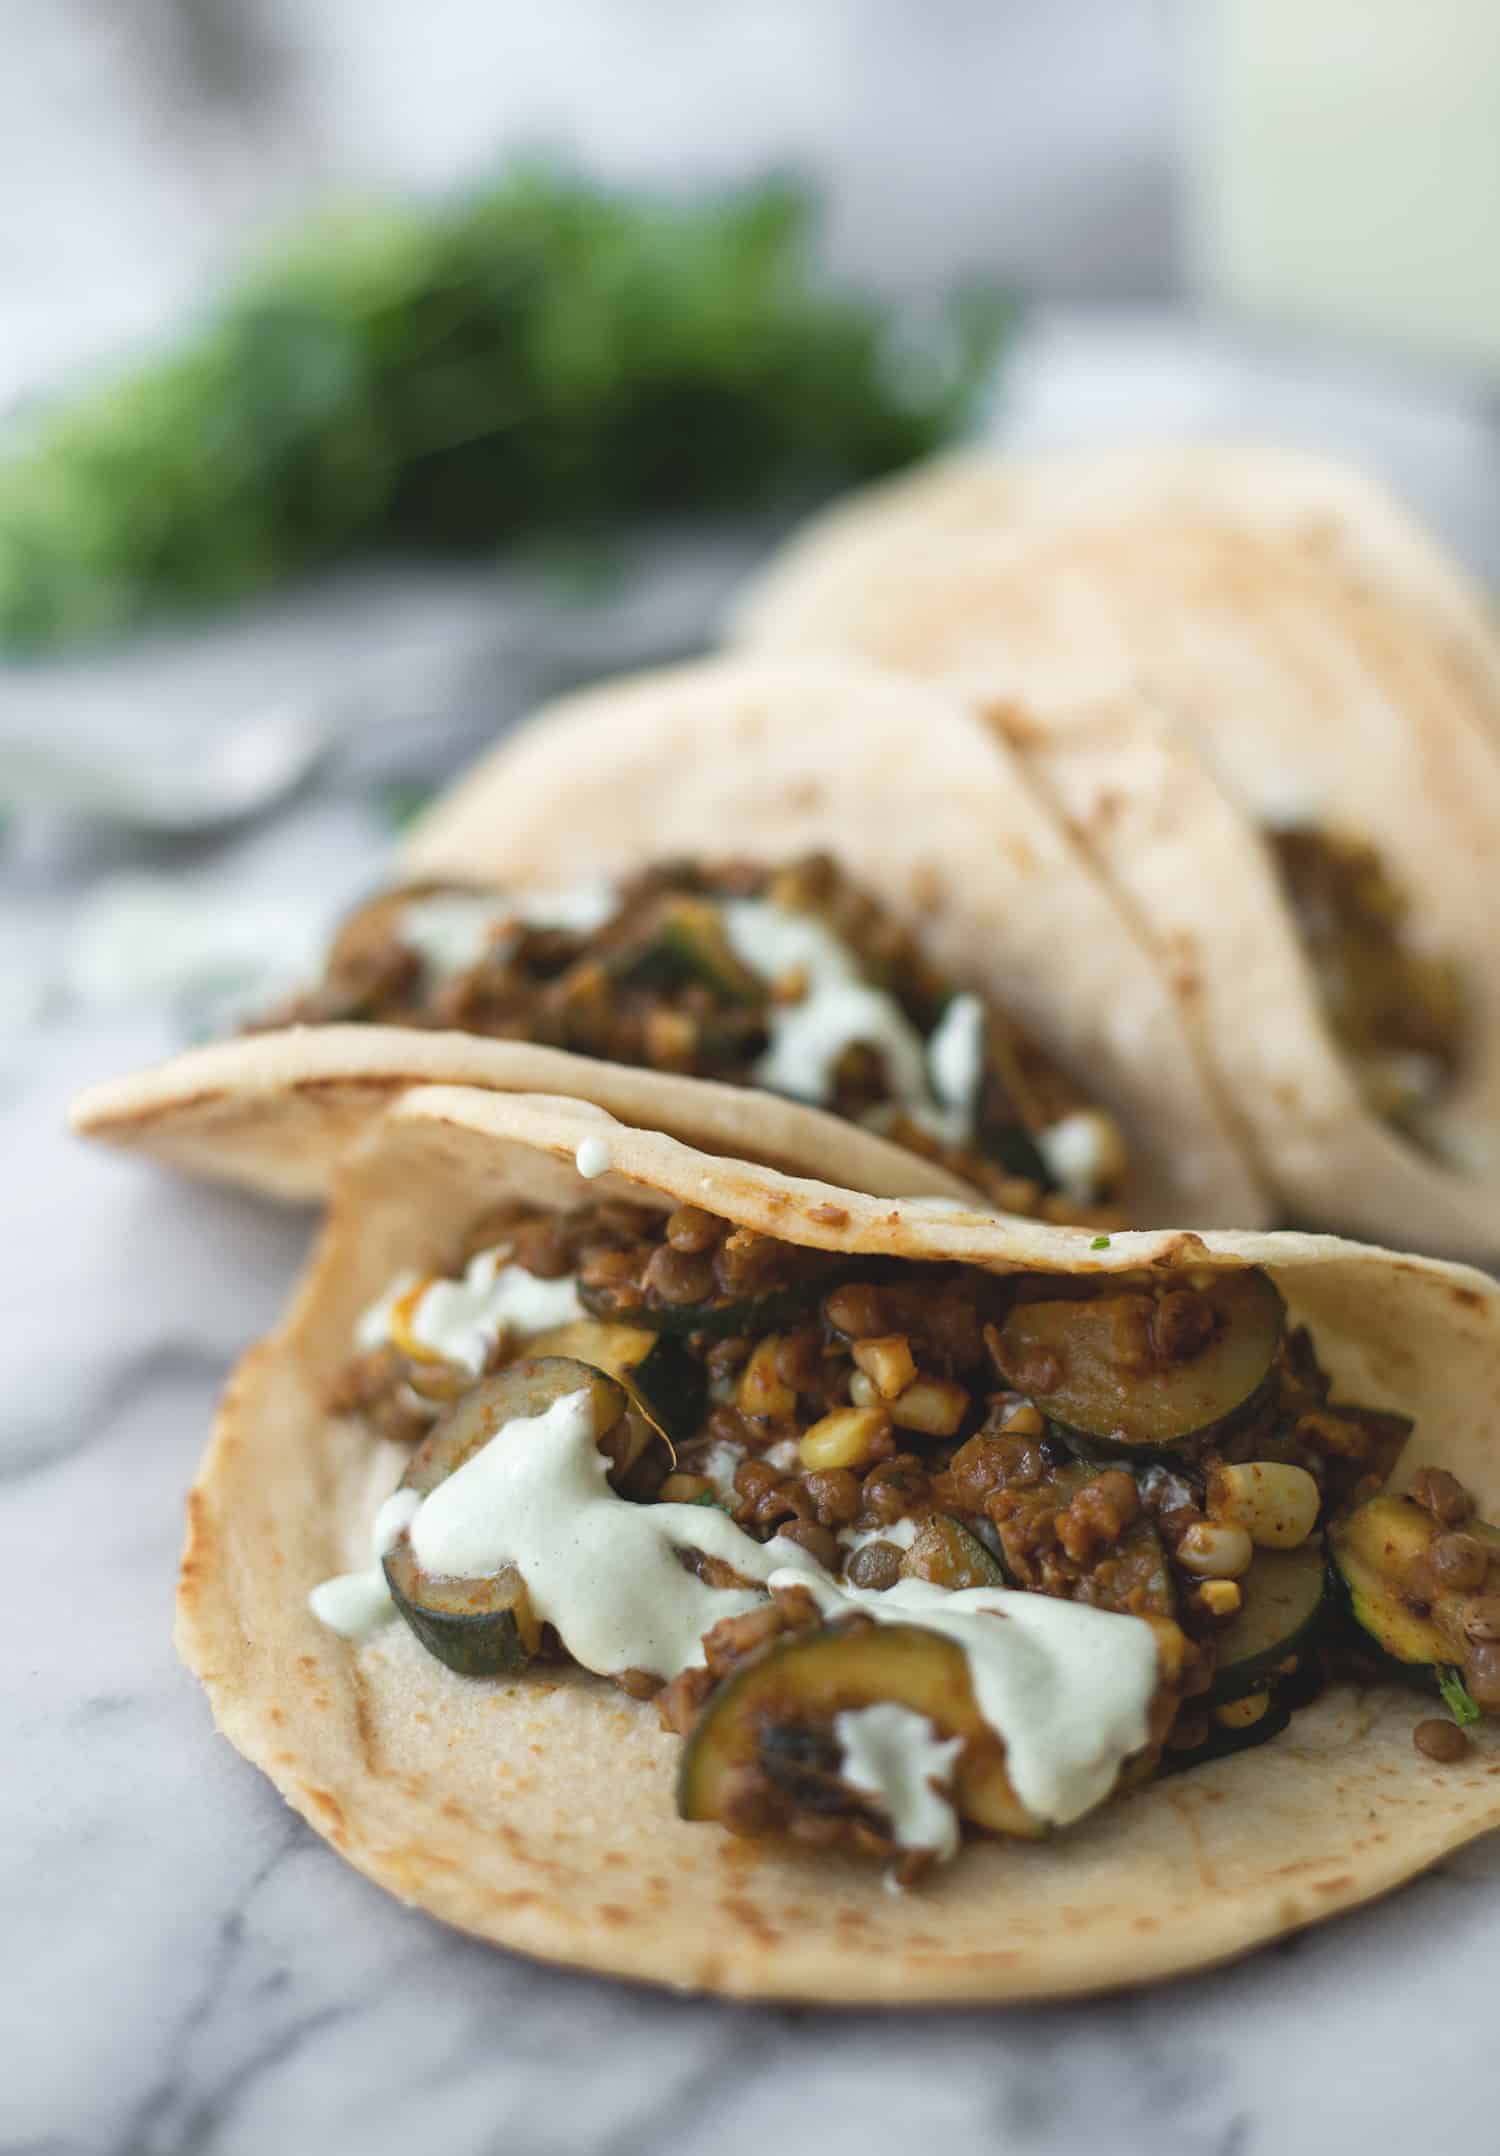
(846, 1438)
(1242, 1713)
(887, 1362)
(863, 1391)
(1275, 1504)
(1023, 1421)
(1215, 1551)
(762, 1390)
(1221, 1598)
(933, 1405)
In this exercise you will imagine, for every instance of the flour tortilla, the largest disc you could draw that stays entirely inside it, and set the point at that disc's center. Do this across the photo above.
(1205, 891)
(769, 758)
(1328, 665)
(1314, 504)
(538, 1813)
(273, 1111)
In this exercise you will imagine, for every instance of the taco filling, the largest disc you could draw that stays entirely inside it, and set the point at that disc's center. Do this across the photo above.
(792, 979)
(898, 1547)
(1396, 1012)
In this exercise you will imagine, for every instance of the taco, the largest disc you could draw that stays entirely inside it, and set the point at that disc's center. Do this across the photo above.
(1338, 679)
(950, 980)
(670, 1567)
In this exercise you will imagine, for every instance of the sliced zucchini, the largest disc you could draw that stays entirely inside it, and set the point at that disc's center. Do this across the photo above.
(1138, 1581)
(669, 1384)
(486, 1627)
(1382, 1552)
(1116, 1374)
(1222, 1741)
(687, 941)
(769, 1728)
(752, 1315)
(1281, 1606)
(947, 1555)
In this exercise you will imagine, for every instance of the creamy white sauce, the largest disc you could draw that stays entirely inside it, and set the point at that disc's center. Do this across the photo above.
(356, 1603)
(718, 1462)
(891, 1753)
(785, 1455)
(593, 1158)
(461, 1320)
(372, 1328)
(1076, 1153)
(1066, 1687)
(454, 930)
(837, 1009)
(955, 1058)
(902, 1532)
(602, 1571)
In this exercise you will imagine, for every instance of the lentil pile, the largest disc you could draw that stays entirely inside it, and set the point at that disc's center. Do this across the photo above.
(1164, 1447)
(650, 977)
(1397, 1013)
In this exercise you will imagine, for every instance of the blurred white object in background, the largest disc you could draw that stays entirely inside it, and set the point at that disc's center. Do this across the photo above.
(1347, 167)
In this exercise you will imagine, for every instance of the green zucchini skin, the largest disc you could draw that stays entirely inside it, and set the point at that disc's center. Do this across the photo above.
(477, 1628)
(1223, 1743)
(1285, 1602)
(655, 1367)
(1375, 1550)
(775, 1717)
(485, 1627)
(751, 1314)
(1104, 1406)
(687, 941)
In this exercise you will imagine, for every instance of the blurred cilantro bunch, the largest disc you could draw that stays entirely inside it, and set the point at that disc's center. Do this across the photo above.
(539, 360)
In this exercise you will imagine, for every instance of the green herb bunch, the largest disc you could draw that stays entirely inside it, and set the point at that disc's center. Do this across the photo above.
(542, 359)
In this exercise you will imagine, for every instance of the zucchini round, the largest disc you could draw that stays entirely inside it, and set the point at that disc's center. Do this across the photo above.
(687, 941)
(1381, 1552)
(1282, 1598)
(1105, 1372)
(668, 1384)
(486, 1627)
(773, 1723)
(1222, 1743)
(748, 1314)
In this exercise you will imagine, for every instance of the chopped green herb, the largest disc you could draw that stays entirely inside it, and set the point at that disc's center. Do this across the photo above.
(1100, 1242)
(536, 362)
(1457, 1697)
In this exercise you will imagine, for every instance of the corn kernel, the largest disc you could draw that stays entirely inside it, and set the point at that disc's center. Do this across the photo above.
(1215, 1551)
(862, 1390)
(762, 1390)
(1242, 1713)
(846, 1438)
(1275, 1504)
(1023, 1421)
(887, 1362)
(935, 1406)
(1221, 1598)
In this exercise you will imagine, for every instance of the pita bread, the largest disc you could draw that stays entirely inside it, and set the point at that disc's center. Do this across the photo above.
(1327, 664)
(538, 1813)
(771, 758)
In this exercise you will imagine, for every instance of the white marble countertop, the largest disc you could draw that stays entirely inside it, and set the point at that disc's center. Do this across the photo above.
(189, 1969)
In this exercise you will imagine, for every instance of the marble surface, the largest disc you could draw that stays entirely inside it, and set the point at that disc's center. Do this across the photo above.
(188, 1968)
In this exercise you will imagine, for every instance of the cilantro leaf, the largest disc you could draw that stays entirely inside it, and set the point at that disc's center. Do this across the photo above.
(1100, 1242)
(1457, 1697)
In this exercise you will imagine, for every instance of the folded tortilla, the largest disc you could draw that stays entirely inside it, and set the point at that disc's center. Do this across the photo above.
(768, 759)
(538, 1813)
(1329, 665)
